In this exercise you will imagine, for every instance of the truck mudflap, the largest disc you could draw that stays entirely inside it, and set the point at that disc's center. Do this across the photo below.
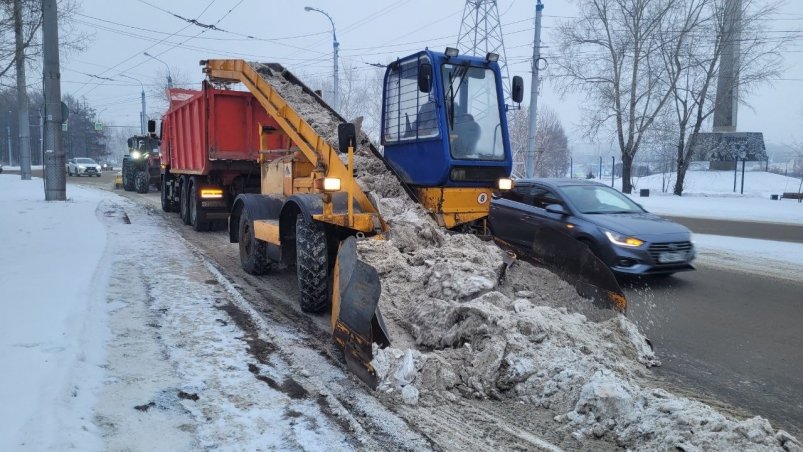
(574, 262)
(356, 321)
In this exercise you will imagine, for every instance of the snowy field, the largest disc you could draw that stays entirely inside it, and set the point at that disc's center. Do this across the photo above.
(709, 194)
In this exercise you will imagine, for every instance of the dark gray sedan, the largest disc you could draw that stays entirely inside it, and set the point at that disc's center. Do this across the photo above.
(627, 238)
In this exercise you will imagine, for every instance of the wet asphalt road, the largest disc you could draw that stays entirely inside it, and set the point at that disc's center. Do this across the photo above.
(727, 335)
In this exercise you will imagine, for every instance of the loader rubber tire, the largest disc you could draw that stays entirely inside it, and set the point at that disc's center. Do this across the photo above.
(253, 252)
(197, 217)
(312, 265)
(128, 178)
(141, 180)
(184, 205)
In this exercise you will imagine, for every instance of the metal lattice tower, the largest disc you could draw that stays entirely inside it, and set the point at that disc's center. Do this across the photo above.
(481, 32)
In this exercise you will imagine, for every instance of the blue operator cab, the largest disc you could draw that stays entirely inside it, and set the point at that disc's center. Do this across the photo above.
(444, 121)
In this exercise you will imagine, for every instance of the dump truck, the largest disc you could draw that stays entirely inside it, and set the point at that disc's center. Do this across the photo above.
(211, 151)
(445, 140)
(141, 165)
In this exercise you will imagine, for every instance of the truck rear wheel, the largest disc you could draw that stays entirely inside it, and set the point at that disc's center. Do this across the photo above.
(312, 265)
(197, 216)
(253, 252)
(141, 180)
(184, 204)
(168, 205)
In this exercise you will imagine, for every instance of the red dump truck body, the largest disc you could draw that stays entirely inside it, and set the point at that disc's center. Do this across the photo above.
(208, 130)
(211, 141)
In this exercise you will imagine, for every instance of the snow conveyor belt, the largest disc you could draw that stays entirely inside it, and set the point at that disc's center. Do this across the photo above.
(463, 325)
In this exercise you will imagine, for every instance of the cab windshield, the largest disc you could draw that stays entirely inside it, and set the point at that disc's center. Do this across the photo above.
(472, 112)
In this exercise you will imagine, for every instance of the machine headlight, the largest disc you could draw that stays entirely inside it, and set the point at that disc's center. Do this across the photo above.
(331, 184)
(623, 240)
(136, 154)
(504, 183)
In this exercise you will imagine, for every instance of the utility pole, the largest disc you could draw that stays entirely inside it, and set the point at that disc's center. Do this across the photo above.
(55, 177)
(22, 97)
(8, 132)
(530, 162)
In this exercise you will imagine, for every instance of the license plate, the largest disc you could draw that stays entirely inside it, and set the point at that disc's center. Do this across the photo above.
(671, 256)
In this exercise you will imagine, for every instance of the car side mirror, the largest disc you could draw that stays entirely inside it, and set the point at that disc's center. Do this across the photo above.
(556, 209)
(517, 90)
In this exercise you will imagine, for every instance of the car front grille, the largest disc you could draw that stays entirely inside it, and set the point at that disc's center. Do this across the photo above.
(675, 247)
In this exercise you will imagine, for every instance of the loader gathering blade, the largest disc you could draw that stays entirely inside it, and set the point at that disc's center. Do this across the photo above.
(575, 263)
(356, 321)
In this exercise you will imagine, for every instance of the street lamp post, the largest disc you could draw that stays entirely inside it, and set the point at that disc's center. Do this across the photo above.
(169, 79)
(335, 45)
(142, 117)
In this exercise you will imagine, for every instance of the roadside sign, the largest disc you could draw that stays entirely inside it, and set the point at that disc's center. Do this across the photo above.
(98, 126)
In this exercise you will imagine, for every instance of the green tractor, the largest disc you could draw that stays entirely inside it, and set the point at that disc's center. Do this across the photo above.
(141, 167)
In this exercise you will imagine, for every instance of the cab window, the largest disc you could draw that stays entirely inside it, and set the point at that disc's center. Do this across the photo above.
(409, 113)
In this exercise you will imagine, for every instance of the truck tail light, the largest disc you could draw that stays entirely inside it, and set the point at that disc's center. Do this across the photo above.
(211, 193)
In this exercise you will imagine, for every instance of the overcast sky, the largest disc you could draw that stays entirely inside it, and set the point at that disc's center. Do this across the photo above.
(375, 31)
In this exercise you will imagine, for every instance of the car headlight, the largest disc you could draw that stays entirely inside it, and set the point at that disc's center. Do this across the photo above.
(81, 167)
(136, 154)
(623, 240)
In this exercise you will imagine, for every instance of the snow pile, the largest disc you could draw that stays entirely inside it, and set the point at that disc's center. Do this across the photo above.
(486, 330)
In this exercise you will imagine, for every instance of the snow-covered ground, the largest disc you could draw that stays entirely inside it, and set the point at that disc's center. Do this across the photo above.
(98, 354)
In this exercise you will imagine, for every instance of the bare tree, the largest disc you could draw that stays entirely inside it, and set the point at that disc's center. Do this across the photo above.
(697, 66)
(612, 53)
(552, 146)
(70, 39)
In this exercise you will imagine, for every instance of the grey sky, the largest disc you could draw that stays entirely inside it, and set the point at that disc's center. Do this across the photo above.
(374, 31)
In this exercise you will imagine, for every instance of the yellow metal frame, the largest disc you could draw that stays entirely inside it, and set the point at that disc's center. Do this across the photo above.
(454, 206)
(313, 146)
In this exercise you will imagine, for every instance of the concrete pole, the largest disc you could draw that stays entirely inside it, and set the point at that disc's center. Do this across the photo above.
(529, 165)
(22, 97)
(55, 175)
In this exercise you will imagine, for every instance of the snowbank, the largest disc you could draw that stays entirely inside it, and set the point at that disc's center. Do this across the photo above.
(52, 273)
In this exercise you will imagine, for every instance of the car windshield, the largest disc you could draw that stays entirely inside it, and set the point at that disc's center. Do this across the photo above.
(597, 199)
(86, 161)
